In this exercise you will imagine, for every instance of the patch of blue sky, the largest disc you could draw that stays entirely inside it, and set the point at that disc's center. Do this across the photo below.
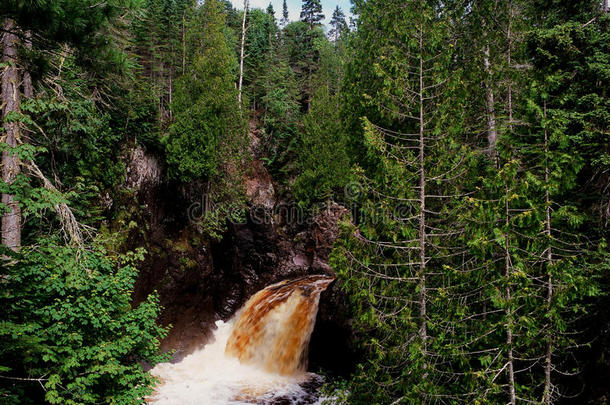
(294, 7)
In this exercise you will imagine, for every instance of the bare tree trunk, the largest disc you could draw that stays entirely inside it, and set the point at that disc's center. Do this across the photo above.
(183, 41)
(310, 67)
(28, 88)
(509, 61)
(423, 331)
(11, 101)
(492, 131)
(509, 314)
(170, 92)
(546, 399)
(241, 53)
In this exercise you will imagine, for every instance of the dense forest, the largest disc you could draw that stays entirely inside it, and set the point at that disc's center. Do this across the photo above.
(466, 142)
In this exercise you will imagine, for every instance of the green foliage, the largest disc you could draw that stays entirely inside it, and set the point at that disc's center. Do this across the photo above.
(78, 134)
(311, 12)
(338, 24)
(507, 263)
(281, 113)
(259, 48)
(68, 331)
(572, 65)
(322, 157)
(83, 24)
(159, 37)
(207, 117)
(323, 164)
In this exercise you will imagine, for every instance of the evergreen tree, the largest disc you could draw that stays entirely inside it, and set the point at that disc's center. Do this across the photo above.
(284, 20)
(338, 24)
(302, 55)
(260, 42)
(206, 113)
(271, 11)
(311, 13)
(398, 263)
(322, 160)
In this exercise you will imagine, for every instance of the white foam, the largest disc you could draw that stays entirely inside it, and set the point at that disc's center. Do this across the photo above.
(208, 377)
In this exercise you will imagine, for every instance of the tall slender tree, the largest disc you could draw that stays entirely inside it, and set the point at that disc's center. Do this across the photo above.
(338, 24)
(311, 13)
(284, 20)
(241, 51)
(398, 261)
(11, 112)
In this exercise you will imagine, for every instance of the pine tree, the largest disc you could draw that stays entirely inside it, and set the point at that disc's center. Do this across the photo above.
(322, 160)
(260, 41)
(311, 14)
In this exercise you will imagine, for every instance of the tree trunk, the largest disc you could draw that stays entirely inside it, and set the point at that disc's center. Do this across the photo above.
(492, 131)
(28, 88)
(509, 315)
(509, 98)
(183, 41)
(423, 331)
(11, 100)
(548, 361)
(241, 53)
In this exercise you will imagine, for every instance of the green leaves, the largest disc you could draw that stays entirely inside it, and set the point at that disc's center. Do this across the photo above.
(207, 116)
(68, 317)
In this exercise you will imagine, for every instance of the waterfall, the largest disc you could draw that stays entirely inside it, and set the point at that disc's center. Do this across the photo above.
(258, 357)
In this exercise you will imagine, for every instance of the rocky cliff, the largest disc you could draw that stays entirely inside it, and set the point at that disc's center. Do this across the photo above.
(200, 281)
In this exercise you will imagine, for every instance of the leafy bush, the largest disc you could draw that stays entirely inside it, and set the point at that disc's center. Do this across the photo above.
(68, 332)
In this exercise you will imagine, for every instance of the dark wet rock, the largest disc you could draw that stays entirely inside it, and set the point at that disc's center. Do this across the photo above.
(199, 281)
(310, 395)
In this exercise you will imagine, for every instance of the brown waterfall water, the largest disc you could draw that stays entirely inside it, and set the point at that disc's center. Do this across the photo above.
(258, 357)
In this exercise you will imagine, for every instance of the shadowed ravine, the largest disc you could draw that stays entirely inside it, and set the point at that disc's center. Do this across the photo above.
(258, 357)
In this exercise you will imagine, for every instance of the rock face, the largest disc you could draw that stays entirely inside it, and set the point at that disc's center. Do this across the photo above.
(260, 252)
(143, 169)
(200, 282)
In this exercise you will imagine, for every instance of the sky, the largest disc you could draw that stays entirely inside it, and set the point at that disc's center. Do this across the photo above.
(294, 7)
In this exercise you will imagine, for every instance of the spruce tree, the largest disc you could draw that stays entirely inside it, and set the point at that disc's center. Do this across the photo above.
(338, 24)
(311, 13)
(398, 262)
(284, 20)
(271, 11)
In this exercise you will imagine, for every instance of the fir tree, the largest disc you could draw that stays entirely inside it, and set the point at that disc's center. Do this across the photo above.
(398, 263)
